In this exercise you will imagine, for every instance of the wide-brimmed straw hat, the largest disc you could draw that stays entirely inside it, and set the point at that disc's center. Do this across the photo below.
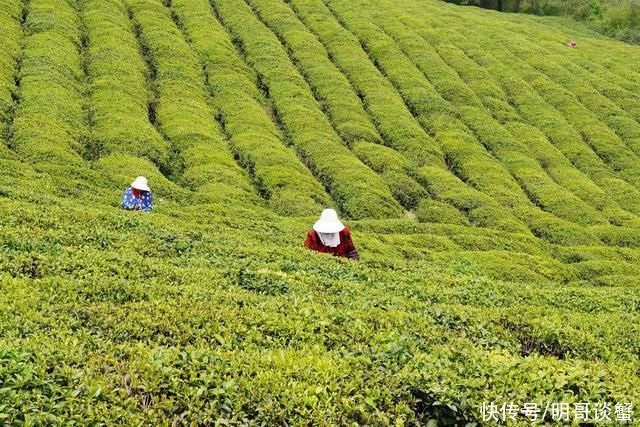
(140, 183)
(328, 222)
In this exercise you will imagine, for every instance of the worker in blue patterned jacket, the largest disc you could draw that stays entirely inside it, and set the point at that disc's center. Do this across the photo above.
(138, 196)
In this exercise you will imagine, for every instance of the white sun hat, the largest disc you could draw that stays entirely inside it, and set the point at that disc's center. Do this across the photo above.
(328, 222)
(140, 184)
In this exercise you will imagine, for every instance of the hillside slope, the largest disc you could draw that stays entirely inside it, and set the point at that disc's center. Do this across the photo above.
(490, 176)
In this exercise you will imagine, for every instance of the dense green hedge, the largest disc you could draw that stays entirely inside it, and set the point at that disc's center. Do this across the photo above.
(435, 211)
(50, 126)
(204, 161)
(481, 209)
(568, 141)
(118, 84)
(394, 121)
(509, 148)
(574, 80)
(181, 335)
(339, 100)
(211, 311)
(602, 140)
(535, 109)
(357, 191)
(9, 52)
(468, 158)
(347, 48)
(258, 144)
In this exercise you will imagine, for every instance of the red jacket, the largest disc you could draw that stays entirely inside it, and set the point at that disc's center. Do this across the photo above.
(344, 249)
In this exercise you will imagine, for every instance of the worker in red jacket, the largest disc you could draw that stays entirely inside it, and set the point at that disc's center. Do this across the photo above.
(329, 235)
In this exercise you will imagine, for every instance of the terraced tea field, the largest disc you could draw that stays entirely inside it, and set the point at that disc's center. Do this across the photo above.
(490, 176)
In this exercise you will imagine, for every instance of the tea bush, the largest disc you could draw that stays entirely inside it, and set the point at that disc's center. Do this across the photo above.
(339, 100)
(9, 53)
(183, 112)
(49, 125)
(480, 208)
(493, 136)
(259, 145)
(120, 115)
(385, 106)
(499, 234)
(310, 131)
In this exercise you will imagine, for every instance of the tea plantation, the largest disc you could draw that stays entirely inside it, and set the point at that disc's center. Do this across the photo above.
(490, 176)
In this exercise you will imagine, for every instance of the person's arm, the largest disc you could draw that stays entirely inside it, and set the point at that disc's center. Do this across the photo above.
(127, 201)
(351, 251)
(147, 202)
(310, 241)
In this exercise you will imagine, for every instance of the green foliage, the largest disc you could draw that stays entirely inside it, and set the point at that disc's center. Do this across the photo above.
(498, 231)
(615, 18)
(341, 103)
(537, 111)
(280, 176)
(265, 282)
(119, 93)
(435, 211)
(9, 51)
(479, 208)
(50, 124)
(386, 107)
(183, 112)
(398, 173)
(357, 191)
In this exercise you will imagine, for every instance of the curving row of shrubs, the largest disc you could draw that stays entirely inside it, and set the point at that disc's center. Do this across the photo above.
(540, 114)
(603, 141)
(387, 111)
(356, 189)
(10, 38)
(528, 140)
(605, 67)
(124, 143)
(201, 159)
(258, 144)
(546, 227)
(119, 92)
(341, 103)
(468, 157)
(345, 47)
(576, 81)
(50, 125)
(540, 188)
(597, 135)
(597, 55)
(479, 208)
(453, 65)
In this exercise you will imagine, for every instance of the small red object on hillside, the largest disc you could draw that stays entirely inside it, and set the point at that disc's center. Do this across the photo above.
(572, 43)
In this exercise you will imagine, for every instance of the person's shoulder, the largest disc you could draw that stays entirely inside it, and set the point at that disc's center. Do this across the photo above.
(346, 231)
